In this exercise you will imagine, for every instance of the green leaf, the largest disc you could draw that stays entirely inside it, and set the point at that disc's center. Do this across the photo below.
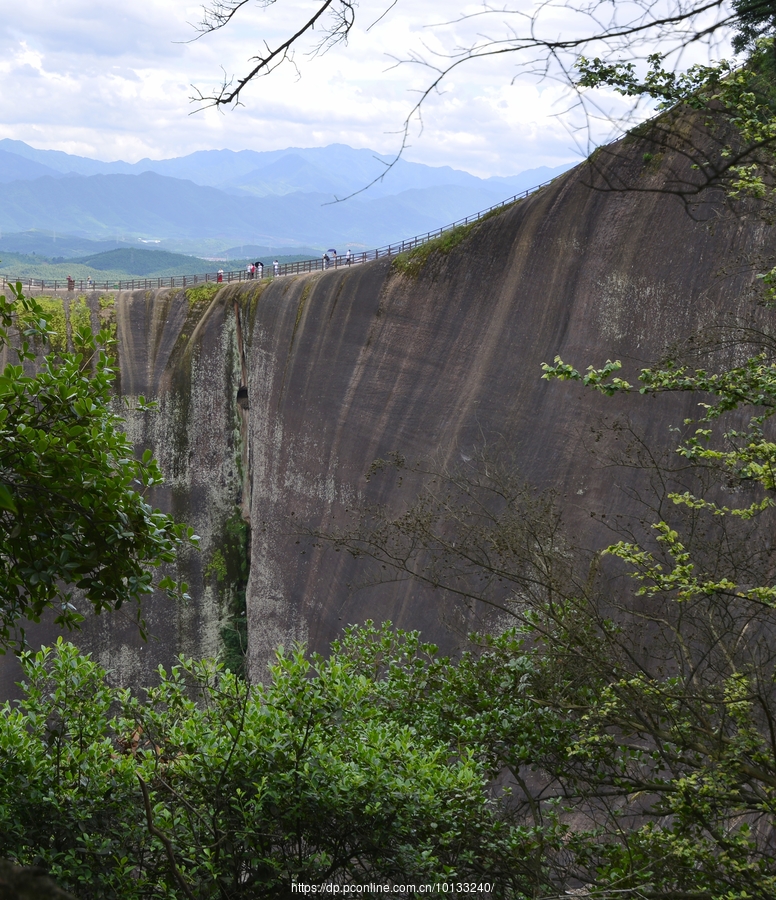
(6, 499)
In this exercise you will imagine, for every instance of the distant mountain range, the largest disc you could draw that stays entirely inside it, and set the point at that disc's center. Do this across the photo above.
(212, 200)
(126, 263)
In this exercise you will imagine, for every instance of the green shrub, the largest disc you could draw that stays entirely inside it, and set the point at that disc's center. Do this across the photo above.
(202, 293)
(314, 777)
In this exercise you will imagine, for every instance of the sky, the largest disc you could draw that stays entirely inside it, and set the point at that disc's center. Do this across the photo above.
(115, 80)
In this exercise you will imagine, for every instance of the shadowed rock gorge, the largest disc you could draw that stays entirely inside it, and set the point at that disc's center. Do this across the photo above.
(431, 357)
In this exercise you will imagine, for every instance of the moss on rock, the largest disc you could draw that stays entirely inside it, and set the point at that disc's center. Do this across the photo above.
(227, 570)
(202, 293)
(412, 262)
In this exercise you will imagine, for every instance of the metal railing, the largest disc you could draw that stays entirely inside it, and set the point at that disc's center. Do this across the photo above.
(269, 271)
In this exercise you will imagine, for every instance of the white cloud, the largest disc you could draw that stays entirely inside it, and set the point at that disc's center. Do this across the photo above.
(114, 81)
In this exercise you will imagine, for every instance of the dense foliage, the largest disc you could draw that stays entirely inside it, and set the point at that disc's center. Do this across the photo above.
(72, 511)
(538, 762)
(755, 19)
(213, 788)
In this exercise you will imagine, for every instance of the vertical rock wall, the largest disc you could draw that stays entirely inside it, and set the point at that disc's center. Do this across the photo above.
(179, 351)
(439, 358)
(432, 357)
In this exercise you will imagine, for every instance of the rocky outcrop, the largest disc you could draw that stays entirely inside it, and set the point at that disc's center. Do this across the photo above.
(431, 356)
(20, 883)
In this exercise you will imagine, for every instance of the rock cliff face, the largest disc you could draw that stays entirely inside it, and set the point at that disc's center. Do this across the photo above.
(428, 358)
(352, 365)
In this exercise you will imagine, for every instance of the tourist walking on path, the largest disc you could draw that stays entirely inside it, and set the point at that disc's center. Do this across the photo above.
(348, 257)
(220, 276)
(276, 267)
(259, 268)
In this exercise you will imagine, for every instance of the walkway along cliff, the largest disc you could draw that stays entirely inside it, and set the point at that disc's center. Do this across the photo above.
(275, 397)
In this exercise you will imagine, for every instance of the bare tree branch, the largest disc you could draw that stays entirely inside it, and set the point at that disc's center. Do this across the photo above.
(616, 27)
(220, 14)
(543, 43)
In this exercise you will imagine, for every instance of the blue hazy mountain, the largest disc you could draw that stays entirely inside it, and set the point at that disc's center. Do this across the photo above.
(280, 198)
(18, 168)
(336, 169)
(64, 163)
(153, 206)
(340, 171)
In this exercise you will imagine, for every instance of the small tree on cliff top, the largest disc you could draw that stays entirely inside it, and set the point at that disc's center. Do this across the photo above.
(72, 511)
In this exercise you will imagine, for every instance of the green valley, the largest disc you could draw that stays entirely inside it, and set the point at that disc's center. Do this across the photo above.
(121, 264)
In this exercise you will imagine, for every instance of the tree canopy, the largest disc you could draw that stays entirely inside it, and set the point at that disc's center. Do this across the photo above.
(209, 787)
(72, 511)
